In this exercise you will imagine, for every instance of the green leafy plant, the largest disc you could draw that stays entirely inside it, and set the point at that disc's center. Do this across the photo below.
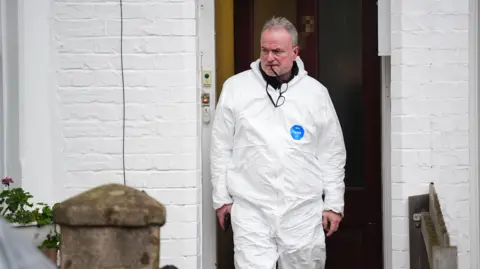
(43, 215)
(52, 241)
(16, 207)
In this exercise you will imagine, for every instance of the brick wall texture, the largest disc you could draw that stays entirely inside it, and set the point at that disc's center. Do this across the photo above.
(429, 94)
(430, 105)
(160, 60)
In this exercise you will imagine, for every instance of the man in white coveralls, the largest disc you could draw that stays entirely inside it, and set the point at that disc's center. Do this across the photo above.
(277, 147)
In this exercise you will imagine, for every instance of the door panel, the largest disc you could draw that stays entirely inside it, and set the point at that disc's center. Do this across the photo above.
(338, 44)
(340, 70)
(306, 24)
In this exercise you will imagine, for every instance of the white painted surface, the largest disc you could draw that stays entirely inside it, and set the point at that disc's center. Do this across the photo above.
(9, 148)
(71, 110)
(207, 63)
(36, 99)
(430, 123)
(161, 74)
(384, 28)
(386, 163)
(474, 135)
(3, 91)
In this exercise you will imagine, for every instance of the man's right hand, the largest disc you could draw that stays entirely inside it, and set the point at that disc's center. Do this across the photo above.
(221, 212)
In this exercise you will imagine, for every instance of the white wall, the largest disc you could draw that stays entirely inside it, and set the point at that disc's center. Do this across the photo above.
(160, 61)
(80, 114)
(430, 116)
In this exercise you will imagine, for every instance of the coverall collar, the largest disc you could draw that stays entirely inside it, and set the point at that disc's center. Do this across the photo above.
(255, 66)
(273, 81)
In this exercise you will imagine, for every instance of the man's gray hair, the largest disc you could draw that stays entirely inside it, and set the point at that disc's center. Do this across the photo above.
(282, 22)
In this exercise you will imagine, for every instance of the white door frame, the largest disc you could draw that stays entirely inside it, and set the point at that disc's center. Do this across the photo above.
(386, 163)
(474, 61)
(206, 54)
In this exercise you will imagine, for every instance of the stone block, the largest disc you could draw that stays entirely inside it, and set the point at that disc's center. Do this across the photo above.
(111, 226)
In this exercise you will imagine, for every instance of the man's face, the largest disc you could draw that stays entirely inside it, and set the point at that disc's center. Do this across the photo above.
(277, 52)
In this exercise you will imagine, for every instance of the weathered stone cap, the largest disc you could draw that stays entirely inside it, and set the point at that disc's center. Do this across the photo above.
(110, 205)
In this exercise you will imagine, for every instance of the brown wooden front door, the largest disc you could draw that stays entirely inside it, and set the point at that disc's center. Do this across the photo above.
(338, 44)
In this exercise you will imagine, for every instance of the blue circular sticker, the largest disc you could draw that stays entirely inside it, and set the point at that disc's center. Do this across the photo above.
(297, 132)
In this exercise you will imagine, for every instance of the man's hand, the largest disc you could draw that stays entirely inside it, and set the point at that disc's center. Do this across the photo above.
(334, 220)
(221, 212)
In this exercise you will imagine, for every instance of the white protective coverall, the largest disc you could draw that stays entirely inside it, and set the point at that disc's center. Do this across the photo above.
(274, 164)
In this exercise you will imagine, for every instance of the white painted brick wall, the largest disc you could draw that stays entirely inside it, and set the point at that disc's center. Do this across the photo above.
(430, 116)
(160, 77)
(429, 109)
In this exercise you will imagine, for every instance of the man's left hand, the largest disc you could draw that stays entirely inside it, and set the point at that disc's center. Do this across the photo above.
(332, 218)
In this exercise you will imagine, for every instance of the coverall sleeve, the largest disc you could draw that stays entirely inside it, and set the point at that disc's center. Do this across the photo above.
(222, 147)
(331, 154)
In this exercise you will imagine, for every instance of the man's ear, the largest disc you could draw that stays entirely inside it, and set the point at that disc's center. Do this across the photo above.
(295, 51)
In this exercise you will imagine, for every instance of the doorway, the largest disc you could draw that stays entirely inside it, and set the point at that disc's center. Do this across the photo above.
(338, 44)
